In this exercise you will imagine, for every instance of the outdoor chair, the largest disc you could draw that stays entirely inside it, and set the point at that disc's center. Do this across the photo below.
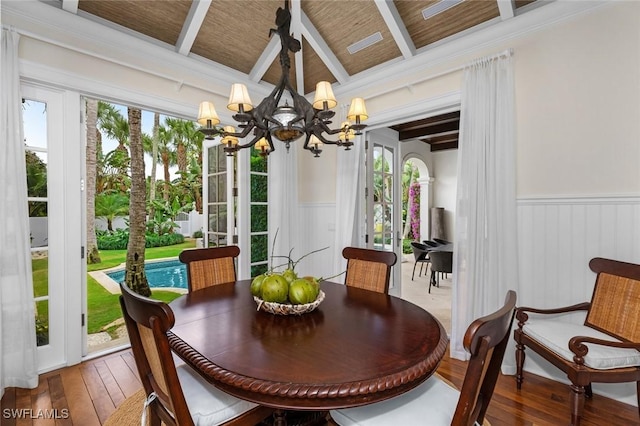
(434, 401)
(441, 262)
(369, 269)
(604, 349)
(420, 255)
(210, 266)
(176, 395)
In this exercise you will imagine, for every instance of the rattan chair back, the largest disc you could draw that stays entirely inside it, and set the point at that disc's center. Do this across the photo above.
(369, 269)
(609, 312)
(210, 266)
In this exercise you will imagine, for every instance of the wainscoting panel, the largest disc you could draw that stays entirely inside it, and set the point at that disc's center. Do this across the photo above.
(556, 238)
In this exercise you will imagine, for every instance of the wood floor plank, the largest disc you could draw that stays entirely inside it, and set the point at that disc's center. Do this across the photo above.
(58, 398)
(115, 393)
(127, 380)
(102, 402)
(23, 403)
(78, 398)
(8, 403)
(41, 401)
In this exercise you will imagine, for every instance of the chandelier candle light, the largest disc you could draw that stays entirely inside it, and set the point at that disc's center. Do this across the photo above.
(285, 122)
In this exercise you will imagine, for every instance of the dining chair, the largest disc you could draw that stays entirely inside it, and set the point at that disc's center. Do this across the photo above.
(369, 269)
(176, 395)
(210, 266)
(420, 255)
(434, 401)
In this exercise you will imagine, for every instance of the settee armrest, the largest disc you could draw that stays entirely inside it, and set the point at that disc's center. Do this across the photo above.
(578, 347)
(522, 316)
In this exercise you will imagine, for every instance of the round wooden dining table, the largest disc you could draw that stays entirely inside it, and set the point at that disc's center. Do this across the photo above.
(357, 347)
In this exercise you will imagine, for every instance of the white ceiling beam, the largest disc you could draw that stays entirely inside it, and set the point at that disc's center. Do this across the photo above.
(296, 29)
(266, 59)
(507, 9)
(191, 27)
(396, 26)
(322, 49)
(70, 6)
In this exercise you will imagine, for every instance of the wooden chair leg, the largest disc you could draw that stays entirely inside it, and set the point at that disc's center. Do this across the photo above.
(520, 356)
(577, 404)
(638, 396)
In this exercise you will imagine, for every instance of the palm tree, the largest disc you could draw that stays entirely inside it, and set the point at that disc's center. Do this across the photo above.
(109, 205)
(93, 255)
(117, 127)
(135, 276)
(155, 158)
(167, 156)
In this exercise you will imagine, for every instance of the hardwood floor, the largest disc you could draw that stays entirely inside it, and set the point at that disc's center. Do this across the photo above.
(86, 394)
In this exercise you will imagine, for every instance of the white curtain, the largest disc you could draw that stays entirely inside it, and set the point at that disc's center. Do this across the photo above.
(485, 258)
(283, 202)
(348, 173)
(18, 360)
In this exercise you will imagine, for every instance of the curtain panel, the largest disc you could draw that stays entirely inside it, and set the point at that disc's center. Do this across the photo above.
(485, 259)
(18, 356)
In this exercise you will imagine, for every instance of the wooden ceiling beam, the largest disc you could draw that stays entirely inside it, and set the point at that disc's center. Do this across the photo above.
(450, 137)
(396, 26)
(444, 146)
(191, 26)
(424, 122)
(451, 126)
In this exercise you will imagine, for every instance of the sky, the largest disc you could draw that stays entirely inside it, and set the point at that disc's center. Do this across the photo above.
(35, 131)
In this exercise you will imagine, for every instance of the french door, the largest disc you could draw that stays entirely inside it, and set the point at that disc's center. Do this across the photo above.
(384, 203)
(52, 155)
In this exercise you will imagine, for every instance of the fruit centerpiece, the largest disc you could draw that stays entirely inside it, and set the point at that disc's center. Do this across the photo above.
(284, 293)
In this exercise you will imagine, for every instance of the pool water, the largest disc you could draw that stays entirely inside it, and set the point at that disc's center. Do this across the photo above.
(169, 273)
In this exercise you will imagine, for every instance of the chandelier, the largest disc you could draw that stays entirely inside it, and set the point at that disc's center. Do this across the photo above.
(270, 119)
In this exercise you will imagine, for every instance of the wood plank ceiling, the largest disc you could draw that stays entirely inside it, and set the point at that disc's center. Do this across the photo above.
(235, 34)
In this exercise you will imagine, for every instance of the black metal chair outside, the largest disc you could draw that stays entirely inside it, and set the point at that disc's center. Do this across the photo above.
(420, 254)
(441, 261)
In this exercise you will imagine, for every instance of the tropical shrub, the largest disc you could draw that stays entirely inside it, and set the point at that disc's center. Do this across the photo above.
(119, 239)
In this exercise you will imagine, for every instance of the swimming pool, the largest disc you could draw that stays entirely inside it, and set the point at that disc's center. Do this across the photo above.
(168, 273)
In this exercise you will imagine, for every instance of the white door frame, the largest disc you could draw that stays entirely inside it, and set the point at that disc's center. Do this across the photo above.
(387, 139)
(67, 283)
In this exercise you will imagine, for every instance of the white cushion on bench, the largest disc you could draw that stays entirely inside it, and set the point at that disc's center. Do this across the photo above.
(555, 335)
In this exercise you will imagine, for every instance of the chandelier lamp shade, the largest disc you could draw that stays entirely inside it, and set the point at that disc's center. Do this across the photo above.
(273, 118)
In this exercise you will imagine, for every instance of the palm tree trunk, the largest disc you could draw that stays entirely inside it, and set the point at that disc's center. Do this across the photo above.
(167, 177)
(135, 276)
(93, 255)
(154, 162)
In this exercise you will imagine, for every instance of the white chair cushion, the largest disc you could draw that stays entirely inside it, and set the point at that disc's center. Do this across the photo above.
(208, 405)
(431, 403)
(555, 335)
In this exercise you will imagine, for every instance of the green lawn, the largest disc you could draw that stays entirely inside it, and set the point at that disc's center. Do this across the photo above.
(103, 307)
